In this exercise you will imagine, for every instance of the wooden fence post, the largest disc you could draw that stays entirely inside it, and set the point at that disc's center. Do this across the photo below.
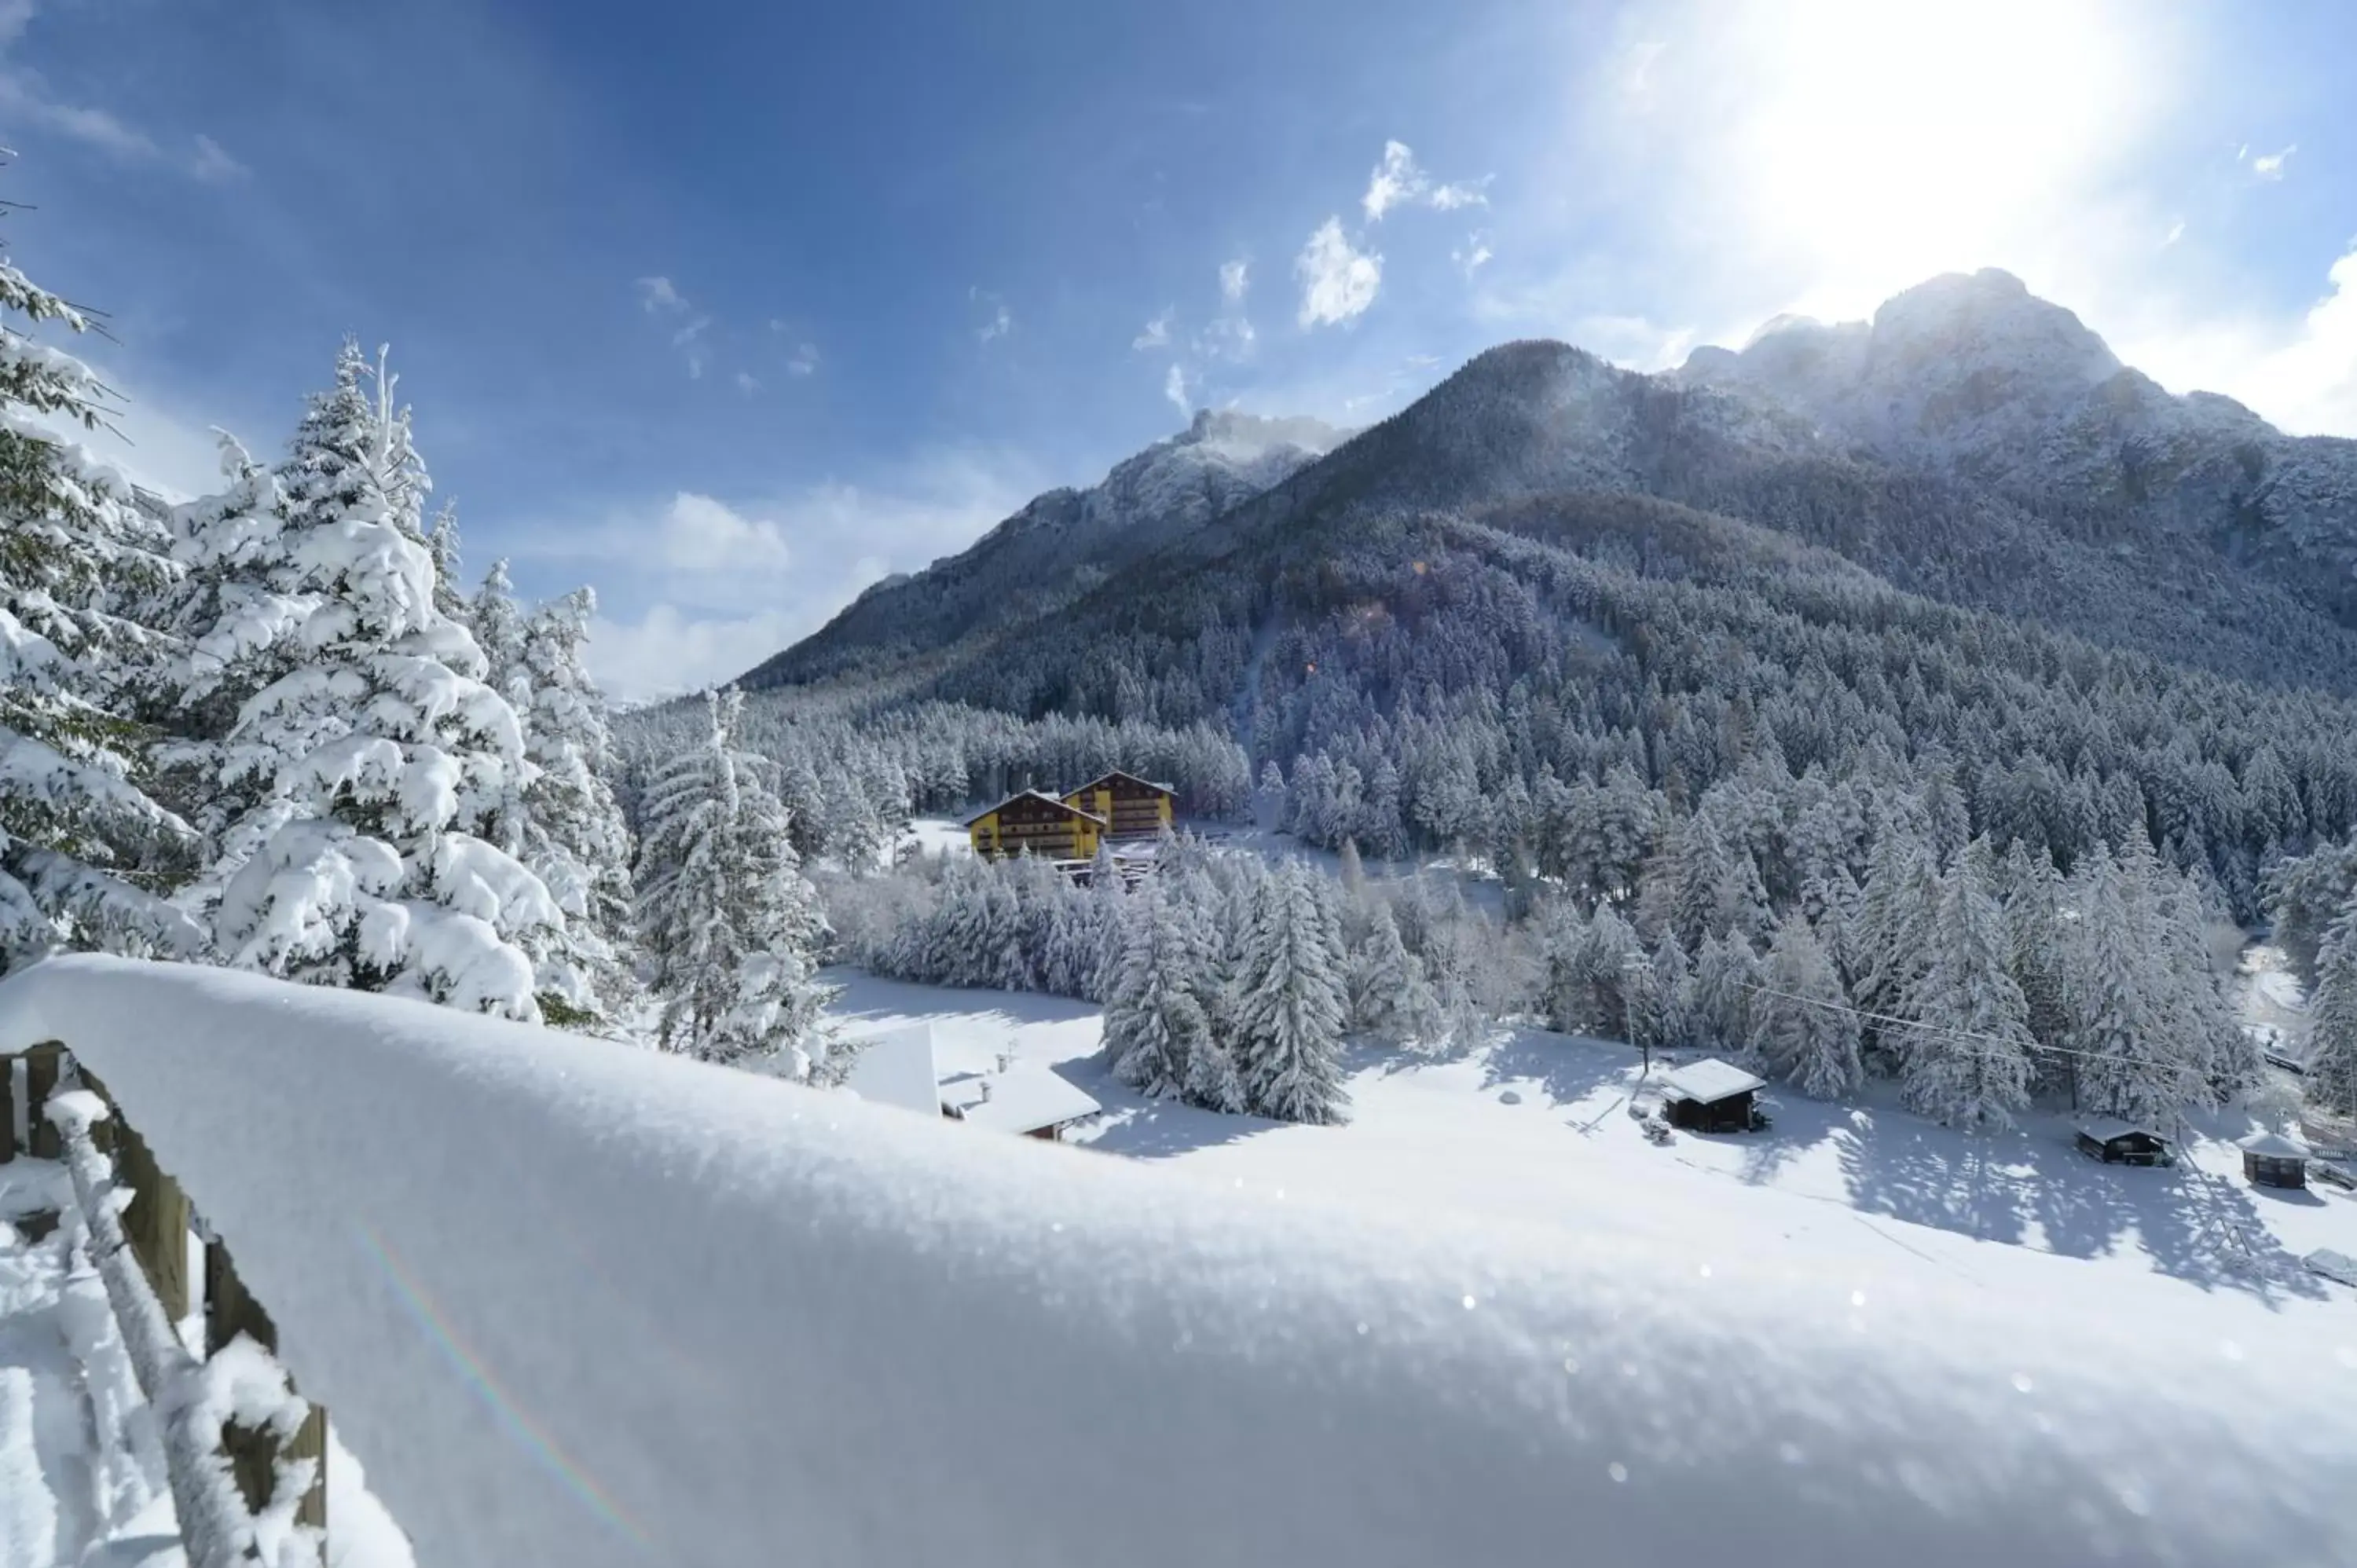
(253, 1456)
(43, 1066)
(157, 1220)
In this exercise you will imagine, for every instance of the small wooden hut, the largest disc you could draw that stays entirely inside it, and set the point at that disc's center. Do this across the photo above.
(1027, 1100)
(1133, 808)
(1036, 821)
(1711, 1095)
(2117, 1142)
(2274, 1159)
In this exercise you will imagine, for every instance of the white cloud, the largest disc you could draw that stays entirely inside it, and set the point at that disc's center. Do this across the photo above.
(1174, 387)
(1235, 277)
(2176, 232)
(669, 651)
(699, 589)
(1399, 181)
(1471, 256)
(1000, 321)
(1396, 179)
(1156, 334)
(698, 533)
(1338, 282)
(213, 164)
(805, 360)
(746, 385)
(2270, 165)
(659, 296)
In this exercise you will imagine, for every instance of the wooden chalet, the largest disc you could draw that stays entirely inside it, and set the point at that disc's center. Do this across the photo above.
(1133, 808)
(1711, 1095)
(1036, 820)
(2274, 1159)
(2117, 1142)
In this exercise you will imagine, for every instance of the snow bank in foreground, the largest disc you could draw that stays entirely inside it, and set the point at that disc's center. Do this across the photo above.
(577, 1302)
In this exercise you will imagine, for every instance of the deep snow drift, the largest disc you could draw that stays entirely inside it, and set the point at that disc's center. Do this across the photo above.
(574, 1302)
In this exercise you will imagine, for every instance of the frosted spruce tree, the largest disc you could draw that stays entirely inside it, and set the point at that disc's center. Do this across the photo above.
(1725, 975)
(1802, 1026)
(87, 852)
(730, 926)
(369, 762)
(1157, 1032)
(2332, 1075)
(1290, 1002)
(2126, 1062)
(1970, 1063)
(1389, 997)
(574, 837)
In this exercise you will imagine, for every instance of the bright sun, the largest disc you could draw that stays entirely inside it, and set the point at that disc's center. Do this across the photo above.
(1883, 141)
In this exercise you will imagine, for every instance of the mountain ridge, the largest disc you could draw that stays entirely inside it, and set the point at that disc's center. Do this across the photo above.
(1971, 443)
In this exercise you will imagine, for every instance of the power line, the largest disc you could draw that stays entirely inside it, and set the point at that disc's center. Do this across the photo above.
(2011, 1048)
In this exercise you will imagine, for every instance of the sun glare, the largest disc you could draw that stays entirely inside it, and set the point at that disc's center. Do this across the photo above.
(1891, 141)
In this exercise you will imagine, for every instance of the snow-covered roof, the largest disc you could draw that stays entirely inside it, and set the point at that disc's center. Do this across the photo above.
(2273, 1146)
(1023, 1098)
(1708, 1081)
(2103, 1129)
(1060, 805)
(1108, 777)
(895, 1066)
(663, 1275)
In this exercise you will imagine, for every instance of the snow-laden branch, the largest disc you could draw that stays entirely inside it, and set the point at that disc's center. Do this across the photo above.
(577, 1302)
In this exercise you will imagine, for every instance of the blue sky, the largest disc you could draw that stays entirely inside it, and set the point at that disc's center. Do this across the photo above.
(727, 309)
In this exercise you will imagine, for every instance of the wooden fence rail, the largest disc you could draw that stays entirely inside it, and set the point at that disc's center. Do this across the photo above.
(158, 1227)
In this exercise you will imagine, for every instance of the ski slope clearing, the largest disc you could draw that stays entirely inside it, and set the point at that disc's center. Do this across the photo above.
(576, 1302)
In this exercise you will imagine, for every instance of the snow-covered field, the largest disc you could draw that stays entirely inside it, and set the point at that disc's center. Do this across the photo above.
(1535, 1129)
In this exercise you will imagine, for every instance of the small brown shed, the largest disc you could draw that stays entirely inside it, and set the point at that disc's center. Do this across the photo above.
(1711, 1095)
(2274, 1159)
(2117, 1142)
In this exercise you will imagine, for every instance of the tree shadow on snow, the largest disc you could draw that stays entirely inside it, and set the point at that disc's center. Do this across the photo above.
(1567, 1067)
(2190, 1225)
(1144, 1129)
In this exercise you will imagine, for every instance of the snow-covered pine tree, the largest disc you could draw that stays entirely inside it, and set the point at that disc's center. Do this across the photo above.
(1157, 1035)
(2125, 1064)
(86, 852)
(1700, 871)
(375, 759)
(1290, 1005)
(1660, 1006)
(2331, 1074)
(2034, 946)
(732, 928)
(1726, 973)
(1969, 1063)
(1889, 938)
(1389, 997)
(575, 838)
(1802, 1026)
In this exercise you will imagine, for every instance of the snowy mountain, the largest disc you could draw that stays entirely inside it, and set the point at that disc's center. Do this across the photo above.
(1975, 378)
(1971, 444)
(1061, 544)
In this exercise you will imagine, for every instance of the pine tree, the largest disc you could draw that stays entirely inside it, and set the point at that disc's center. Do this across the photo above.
(1158, 1036)
(2331, 1077)
(575, 838)
(87, 852)
(1726, 978)
(1290, 1005)
(1661, 1001)
(732, 928)
(376, 760)
(1802, 1026)
(1700, 872)
(1969, 1065)
(1389, 997)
